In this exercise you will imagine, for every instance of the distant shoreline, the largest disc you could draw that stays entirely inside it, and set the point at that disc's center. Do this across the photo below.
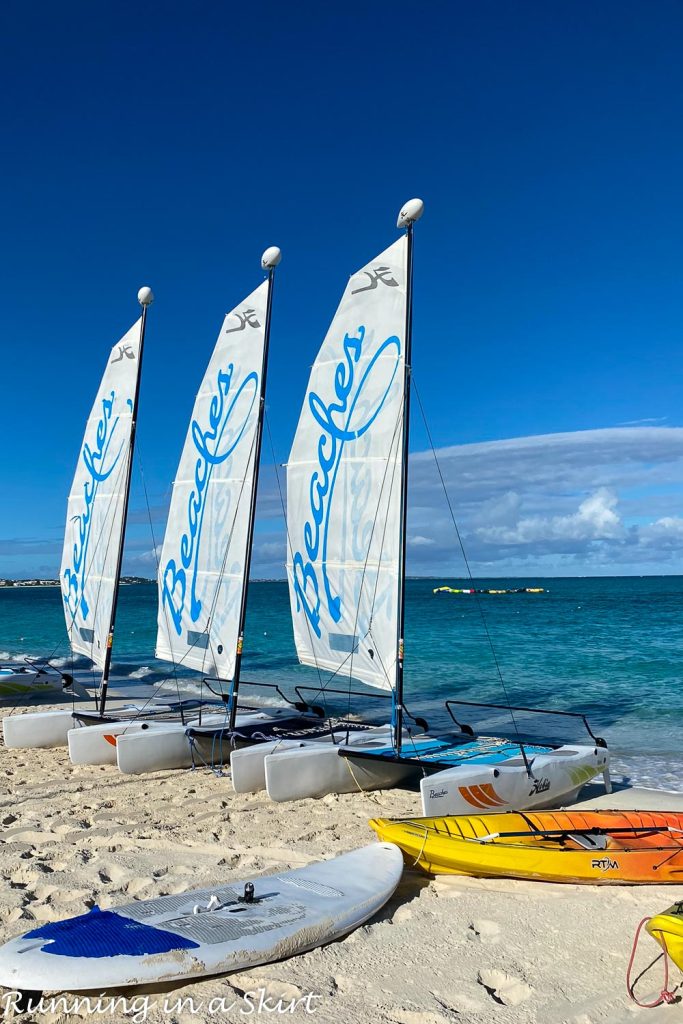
(7, 584)
(23, 584)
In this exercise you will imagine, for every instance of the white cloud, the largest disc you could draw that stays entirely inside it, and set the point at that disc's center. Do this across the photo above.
(594, 501)
(594, 519)
(150, 557)
(664, 533)
(589, 501)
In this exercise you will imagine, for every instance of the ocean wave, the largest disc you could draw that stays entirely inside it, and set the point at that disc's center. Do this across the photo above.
(192, 687)
(141, 673)
(651, 771)
(70, 661)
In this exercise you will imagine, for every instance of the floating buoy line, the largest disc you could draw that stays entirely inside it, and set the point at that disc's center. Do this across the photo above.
(477, 590)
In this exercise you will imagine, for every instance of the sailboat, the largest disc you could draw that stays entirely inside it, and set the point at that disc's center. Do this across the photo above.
(95, 529)
(29, 679)
(205, 560)
(346, 520)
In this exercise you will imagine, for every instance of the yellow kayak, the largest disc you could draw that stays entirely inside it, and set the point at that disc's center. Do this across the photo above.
(667, 929)
(599, 847)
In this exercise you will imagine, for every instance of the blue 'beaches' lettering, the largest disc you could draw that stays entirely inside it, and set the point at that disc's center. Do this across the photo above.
(207, 441)
(98, 470)
(338, 428)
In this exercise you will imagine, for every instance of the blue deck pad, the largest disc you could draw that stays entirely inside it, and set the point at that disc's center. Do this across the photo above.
(488, 751)
(102, 933)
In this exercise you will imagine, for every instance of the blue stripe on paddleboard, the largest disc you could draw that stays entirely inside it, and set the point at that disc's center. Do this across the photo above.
(102, 933)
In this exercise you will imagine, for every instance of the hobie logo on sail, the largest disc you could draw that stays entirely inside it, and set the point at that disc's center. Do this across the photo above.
(376, 276)
(354, 408)
(247, 318)
(98, 468)
(228, 418)
(123, 351)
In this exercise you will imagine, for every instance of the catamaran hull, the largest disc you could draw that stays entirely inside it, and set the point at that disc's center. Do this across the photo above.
(318, 770)
(168, 746)
(557, 777)
(16, 683)
(248, 765)
(97, 744)
(163, 748)
(38, 729)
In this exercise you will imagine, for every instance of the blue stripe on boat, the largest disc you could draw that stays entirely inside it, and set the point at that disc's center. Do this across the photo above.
(474, 752)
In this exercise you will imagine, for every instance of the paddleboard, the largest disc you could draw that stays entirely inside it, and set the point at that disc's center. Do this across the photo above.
(205, 931)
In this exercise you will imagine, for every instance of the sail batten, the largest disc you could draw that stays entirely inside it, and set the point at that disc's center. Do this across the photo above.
(202, 565)
(96, 504)
(344, 483)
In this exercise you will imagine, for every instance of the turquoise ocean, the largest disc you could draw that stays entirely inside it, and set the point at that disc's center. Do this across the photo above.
(608, 648)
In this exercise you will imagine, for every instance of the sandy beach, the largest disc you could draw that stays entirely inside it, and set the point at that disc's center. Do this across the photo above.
(444, 949)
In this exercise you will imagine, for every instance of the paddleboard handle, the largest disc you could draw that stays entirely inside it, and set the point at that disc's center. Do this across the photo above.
(248, 893)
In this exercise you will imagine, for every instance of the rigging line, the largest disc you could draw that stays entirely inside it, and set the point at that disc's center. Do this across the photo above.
(471, 578)
(114, 496)
(221, 573)
(212, 607)
(341, 666)
(157, 565)
(98, 539)
(323, 685)
(391, 487)
(369, 629)
(290, 550)
(399, 422)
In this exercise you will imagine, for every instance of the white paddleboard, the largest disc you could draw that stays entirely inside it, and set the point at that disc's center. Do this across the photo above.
(205, 931)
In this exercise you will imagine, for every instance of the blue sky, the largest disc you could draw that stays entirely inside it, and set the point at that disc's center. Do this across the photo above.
(170, 144)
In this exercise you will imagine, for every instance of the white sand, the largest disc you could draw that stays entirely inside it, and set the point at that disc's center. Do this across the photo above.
(444, 950)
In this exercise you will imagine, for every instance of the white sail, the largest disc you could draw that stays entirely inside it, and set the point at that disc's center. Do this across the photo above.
(96, 504)
(201, 572)
(344, 483)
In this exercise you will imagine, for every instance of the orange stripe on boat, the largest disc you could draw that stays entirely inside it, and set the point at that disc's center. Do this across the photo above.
(111, 739)
(466, 792)
(490, 791)
(488, 799)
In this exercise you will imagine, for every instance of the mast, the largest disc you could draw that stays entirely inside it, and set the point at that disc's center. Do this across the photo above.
(145, 298)
(410, 213)
(269, 262)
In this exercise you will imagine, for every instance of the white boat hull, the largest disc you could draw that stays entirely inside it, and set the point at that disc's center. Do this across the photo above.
(28, 682)
(165, 747)
(168, 746)
(97, 744)
(38, 729)
(248, 764)
(557, 778)
(248, 767)
(48, 728)
(319, 769)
